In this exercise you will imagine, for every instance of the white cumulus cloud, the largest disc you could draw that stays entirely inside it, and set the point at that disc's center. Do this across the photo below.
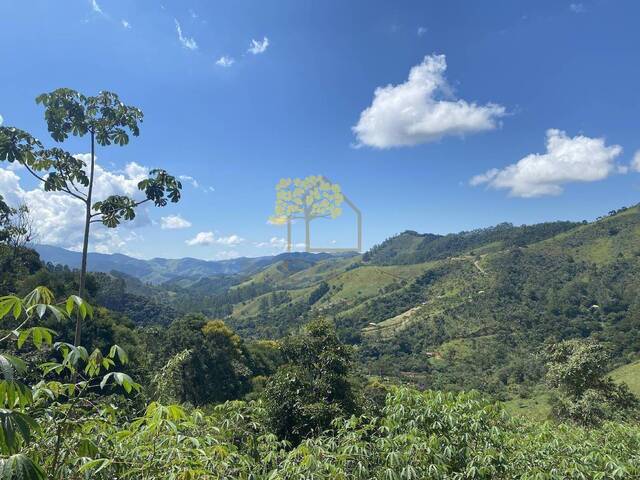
(230, 240)
(202, 238)
(225, 61)
(256, 46)
(174, 222)
(422, 110)
(274, 242)
(567, 159)
(59, 218)
(187, 42)
(209, 238)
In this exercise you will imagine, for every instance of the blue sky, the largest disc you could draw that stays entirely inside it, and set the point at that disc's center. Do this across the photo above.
(513, 111)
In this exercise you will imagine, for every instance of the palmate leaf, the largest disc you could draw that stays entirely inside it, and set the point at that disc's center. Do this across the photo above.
(15, 429)
(10, 303)
(13, 392)
(20, 467)
(118, 352)
(72, 355)
(115, 207)
(9, 364)
(121, 379)
(39, 335)
(37, 296)
(80, 305)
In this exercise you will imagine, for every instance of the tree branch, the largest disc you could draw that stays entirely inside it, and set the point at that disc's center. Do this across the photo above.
(66, 190)
(76, 188)
(83, 199)
(33, 173)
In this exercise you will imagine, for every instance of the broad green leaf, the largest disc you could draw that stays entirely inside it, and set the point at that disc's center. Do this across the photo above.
(15, 428)
(20, 467)
(120, 353)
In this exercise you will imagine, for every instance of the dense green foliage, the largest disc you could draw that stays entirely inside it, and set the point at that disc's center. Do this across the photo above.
(577, 369)
(79, 418)
(172, 382)
(313, 388)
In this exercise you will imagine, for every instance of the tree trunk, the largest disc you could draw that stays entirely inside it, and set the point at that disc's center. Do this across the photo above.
(289, 235)
(307, 231)
(85, 241)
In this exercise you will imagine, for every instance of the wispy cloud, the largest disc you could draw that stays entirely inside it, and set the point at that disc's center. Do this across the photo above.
(96, 7)
(190, 179)
(577, 8)
(187, 42)
(256, 47)
(421, 31)
(195, 184)
(225, 61)
(125, 23)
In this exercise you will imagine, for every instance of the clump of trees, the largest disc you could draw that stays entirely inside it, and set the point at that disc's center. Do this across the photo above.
(216, 368)
(313, 387)
(577, 369)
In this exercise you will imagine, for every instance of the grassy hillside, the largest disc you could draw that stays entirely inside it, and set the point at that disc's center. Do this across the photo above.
(466, 310)
(536, 406)
(629, 374)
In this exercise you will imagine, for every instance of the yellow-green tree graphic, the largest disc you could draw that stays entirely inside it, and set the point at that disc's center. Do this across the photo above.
(306, 199)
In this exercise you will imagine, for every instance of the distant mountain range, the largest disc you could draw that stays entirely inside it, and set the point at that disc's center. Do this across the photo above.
(159, 270)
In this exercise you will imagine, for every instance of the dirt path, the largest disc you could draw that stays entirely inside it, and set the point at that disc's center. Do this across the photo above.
(480, 269)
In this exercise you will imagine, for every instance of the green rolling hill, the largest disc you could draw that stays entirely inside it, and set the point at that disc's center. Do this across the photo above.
(467, 310)
(460, 311)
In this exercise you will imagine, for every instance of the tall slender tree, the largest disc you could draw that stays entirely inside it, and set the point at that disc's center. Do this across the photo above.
(106, 120)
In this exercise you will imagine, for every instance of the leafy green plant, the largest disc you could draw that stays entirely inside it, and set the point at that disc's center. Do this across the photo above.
(50, 408)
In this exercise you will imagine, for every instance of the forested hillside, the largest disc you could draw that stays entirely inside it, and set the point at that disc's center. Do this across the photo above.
(320, 357)
(460, 311)
(468, 310)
